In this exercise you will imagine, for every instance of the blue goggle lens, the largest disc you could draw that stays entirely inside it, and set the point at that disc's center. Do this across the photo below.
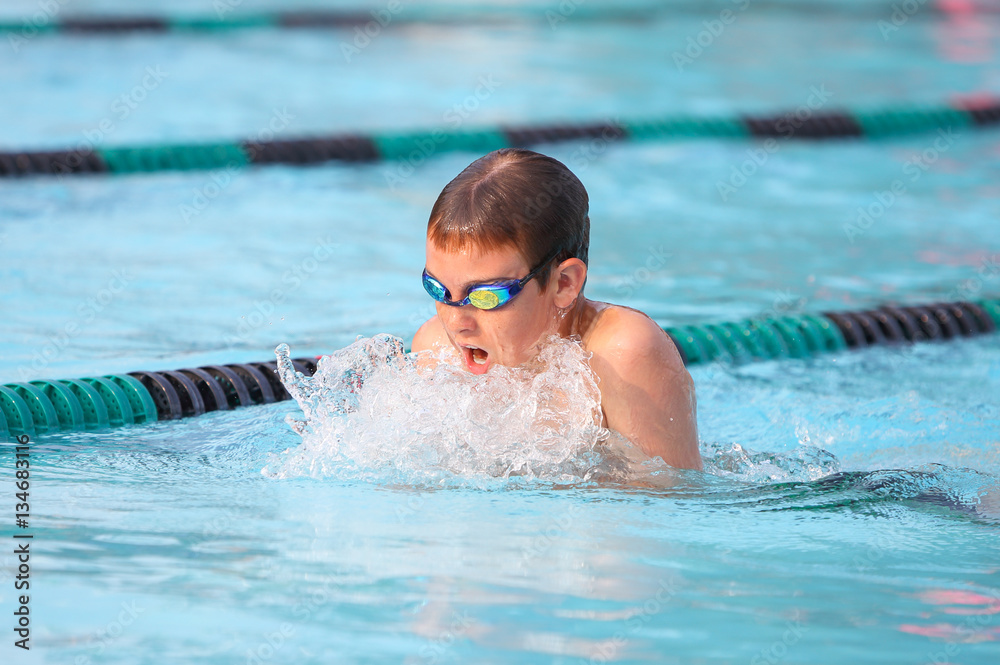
(435, 289)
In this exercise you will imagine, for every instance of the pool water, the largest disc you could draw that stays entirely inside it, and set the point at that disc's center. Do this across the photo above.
(849, 509)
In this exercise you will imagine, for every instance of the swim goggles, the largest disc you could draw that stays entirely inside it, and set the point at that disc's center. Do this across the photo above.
(485, 296)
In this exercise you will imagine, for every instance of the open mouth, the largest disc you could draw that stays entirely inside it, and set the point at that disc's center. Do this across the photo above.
(476, 359)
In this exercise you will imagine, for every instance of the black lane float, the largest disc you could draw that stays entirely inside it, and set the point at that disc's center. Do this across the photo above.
(416, 146)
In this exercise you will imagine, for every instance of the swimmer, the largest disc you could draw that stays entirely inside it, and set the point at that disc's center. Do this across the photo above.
(506, 263)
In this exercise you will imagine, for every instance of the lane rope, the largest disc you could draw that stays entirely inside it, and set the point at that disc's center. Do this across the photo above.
(417, 146)
(97, 403)
(398, 12)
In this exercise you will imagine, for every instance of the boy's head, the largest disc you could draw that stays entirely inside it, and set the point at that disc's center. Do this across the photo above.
(518, 199)
(506, 256)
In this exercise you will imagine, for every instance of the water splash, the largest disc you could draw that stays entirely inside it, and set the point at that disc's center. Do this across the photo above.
(374, 412)
(805, 462)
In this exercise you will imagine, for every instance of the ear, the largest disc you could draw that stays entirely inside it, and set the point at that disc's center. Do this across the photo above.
(569, 277)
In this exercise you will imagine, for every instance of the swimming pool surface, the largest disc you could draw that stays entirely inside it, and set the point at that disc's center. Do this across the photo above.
(849, 509)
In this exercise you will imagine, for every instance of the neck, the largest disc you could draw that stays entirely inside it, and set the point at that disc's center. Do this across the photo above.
(574, 319)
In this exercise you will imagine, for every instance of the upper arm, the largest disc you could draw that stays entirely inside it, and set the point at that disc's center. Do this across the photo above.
(646, 392)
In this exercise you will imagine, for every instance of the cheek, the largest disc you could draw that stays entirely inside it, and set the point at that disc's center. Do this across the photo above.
(517, 330)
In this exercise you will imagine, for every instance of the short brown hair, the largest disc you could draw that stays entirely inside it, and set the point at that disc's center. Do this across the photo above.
(515, 198)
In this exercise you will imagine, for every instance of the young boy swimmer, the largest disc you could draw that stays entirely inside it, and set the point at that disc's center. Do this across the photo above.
(507, 248)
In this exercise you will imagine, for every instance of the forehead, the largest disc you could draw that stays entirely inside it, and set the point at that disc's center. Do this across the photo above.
(472, 263)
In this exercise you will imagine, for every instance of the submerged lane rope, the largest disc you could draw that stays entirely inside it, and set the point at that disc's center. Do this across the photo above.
(40, 407)
(417, 146)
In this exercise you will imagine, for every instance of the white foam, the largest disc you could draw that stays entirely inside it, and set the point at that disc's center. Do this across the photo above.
(374, 412)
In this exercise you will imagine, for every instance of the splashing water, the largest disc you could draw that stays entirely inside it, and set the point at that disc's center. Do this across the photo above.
(375, 412)
(806, 462)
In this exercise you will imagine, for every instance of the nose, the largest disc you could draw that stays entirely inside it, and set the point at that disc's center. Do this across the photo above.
(457, 319)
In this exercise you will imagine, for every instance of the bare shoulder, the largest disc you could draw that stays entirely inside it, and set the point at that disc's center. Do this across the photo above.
(622, 335)
(429, 336)
(646, 392)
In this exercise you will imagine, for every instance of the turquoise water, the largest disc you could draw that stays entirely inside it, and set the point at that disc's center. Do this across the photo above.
(845, 514)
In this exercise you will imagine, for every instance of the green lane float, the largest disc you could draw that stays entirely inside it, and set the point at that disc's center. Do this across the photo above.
(807, 335)
(96, 403)
(416, 146)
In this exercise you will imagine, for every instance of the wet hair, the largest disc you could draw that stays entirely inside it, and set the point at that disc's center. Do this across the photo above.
(514, 198)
